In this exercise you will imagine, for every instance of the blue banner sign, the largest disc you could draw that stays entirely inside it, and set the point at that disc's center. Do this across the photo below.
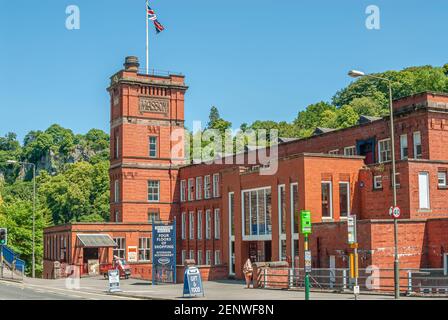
(164, 252)
(193, 282)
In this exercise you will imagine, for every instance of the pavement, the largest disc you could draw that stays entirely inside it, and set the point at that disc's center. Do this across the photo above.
(95, 288)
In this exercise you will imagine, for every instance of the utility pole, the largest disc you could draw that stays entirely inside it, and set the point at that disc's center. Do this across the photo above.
(305, 229)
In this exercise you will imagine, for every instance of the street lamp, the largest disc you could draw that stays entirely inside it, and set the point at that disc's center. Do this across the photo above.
(357, 74)
(34, 209)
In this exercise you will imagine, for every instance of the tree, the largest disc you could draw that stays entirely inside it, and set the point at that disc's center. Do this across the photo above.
(213, 116)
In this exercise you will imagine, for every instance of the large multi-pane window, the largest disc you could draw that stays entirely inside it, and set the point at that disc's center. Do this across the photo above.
(404, 146)
(152, 147)
(207, 187)
(344, 199)
(208, 224)
(198, 188)
(417, 145)
(199, 224)
(282, 208)
(191, 223)
(183, 185)
(384, 150)
(184, 225)
(190, 189)
(216, 185)
(153, 190)
(232, 213)
(120, 249)
(144, 249)
(208, 257)
(217, 224)
(257, 212)
(327, 205)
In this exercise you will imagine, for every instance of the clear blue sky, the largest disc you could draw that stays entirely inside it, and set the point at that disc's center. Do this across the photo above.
(253, 59)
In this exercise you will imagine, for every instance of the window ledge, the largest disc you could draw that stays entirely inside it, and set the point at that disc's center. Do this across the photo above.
(424, 210)
(377, 189)
(442, 187)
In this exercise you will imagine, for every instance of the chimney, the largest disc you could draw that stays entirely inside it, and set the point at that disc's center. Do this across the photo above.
(131, 64)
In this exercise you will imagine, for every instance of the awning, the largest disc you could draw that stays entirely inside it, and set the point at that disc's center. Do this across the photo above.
(95, 241)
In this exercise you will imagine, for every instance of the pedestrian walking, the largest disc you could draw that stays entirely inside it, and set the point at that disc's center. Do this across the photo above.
(248, 272)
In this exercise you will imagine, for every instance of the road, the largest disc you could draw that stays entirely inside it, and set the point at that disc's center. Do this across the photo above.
(19, 291)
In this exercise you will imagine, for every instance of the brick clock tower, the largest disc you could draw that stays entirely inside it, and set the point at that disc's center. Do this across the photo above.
(147, 144)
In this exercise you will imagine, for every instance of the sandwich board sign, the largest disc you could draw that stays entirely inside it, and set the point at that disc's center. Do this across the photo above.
(193, 282)
(114, 280)
(308, 260)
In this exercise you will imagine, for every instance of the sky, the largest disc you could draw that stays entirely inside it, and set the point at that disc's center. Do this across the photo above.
(253, 59)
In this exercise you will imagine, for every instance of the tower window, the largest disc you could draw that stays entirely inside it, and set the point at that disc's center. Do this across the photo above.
(117, 145)
(153, 147)
(153, 191)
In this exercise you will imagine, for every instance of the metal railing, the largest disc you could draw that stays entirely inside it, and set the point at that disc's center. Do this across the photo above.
(412, 281)
(11, 267)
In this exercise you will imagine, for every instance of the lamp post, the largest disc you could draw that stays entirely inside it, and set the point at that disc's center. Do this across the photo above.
(34, 209)
(357, 74)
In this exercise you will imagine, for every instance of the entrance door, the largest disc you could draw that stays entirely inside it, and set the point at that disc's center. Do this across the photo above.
(91, 260)
(268, 250)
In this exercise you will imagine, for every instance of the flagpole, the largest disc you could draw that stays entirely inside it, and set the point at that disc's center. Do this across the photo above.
(147, 38)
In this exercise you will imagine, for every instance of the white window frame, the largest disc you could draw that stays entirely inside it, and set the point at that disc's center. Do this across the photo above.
(231, 209)
(191, 225)
(190, 189)
(380, 150)
(217, 225)
(216, 190)
(199, 231)
(419, 135)
(347, 183)
(427, 191)
(184, 225)
(191, 255)
(378, 182)
(217, 257)
(117, 191)
(346, 149)
(258, 237)
(152, 187)
(199, 261)
(334, 152)
(208, 222)
(208, 257)
(120, 250)
(207, 187)
(152, 145)
(183, 185)
(330, 196)
(144, 249)
(404, 144)
(442, 175)
(184, 256)
(198, 188)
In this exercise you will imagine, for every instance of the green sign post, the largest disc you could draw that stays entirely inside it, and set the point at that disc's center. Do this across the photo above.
(305, 229)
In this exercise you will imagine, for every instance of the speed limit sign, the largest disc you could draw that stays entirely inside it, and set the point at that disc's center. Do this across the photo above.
(395, 212)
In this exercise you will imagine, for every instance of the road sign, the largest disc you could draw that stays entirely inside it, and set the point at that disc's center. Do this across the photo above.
(305, 222)
(395, 212)
(193, 282)
(308, 266)
(351, 225)
(114, 280)
(3, 236)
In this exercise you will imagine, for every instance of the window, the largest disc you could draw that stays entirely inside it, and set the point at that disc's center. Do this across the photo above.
(216, 185)
(384, 150)
(404, 146)
(153, 191)
(208, 224)
(117, 216)
(350, 151)
(184, 256)
(199, 224)
(191, 255)
(295, 206)
(257, 213)
(417, 145)
(423, 190)
(153, 215)
(441, 177)
(334, 151)
(119, 250)
(199, 262)
(282, 208)
(144, 249)
(283, 250)
(117, 145)
(198, 188)
(184, 225)
(217, 224)
(182, 190)
(208, 257)
(190, 189)
(152, 147)
(117, 191)
(191, 223)
(327, 205)
(207, 187)
(378, 182)
(232, 213)
(344, 199)
(217, 257)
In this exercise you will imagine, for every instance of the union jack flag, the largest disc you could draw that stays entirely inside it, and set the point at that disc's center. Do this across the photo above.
(151, 13)
(158, 25)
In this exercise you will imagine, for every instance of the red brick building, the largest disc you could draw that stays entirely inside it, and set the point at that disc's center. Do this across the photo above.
(226, 213)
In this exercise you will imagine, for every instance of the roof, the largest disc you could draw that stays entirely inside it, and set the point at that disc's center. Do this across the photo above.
(367, 119)
(320, 130)
(283, 139)
(95, 241)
